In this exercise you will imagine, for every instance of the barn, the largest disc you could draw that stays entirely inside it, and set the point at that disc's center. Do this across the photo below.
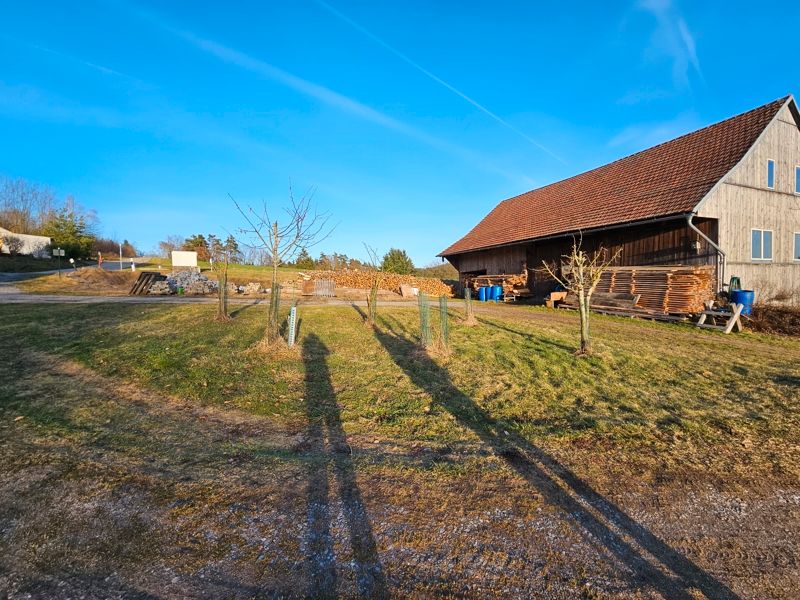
(725, 198)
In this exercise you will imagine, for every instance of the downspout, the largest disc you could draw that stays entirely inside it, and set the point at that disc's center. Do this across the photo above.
(720, 253)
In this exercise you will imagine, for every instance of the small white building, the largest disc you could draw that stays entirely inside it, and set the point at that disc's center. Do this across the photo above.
(30, 245)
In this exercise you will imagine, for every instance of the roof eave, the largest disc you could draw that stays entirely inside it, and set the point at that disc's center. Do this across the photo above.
(669, 217)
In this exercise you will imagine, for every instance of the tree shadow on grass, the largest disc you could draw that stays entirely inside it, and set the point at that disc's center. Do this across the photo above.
(669, 572)
(329, 445)
(527, 335)
(243, 307)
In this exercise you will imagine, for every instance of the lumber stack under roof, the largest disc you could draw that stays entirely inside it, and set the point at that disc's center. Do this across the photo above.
(676, 290)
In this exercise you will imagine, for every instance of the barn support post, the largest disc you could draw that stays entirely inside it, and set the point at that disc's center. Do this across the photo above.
(720, 279)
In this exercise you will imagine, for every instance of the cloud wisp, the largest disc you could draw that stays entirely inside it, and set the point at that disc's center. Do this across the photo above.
(33, 103)
(644, 135)
(77, 60)
(673, 40)
(405, 58)
(323, 94)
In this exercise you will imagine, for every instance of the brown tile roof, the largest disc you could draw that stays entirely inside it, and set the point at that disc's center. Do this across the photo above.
(667, 179)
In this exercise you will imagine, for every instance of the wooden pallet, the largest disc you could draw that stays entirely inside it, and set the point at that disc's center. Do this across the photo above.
(146, 279)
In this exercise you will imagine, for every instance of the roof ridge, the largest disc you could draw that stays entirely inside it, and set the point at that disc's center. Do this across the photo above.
(781, 101)
(628, 188)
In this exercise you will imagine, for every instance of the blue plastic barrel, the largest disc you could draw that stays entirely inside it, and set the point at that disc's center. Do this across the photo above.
(497, 292)
(745, 298)
(482, 294)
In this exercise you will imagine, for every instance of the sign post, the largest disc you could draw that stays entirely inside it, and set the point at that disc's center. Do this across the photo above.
(59, 252)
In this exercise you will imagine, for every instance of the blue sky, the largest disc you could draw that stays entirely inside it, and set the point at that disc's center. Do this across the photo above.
(412, 119)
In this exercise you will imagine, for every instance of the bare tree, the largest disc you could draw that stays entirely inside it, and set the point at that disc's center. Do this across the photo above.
(376, 266)
(25, 207)
(13, 244)
(221, 258)
(173, 242)
(580, 273)
(302, 227)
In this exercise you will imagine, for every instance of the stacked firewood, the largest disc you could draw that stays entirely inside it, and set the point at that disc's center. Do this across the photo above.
(363, 279)
(509, 283)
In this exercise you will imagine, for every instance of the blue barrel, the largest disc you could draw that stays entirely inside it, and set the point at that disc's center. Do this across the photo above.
(745, 298)
(482, 293)
(497, 292)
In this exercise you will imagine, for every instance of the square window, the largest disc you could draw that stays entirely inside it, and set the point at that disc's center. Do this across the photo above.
(771, 174)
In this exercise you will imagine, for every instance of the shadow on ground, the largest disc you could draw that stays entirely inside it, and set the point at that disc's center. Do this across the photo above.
(650, 560)
(328, 442)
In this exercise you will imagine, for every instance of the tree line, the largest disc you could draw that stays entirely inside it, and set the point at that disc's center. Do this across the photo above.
(30, 208)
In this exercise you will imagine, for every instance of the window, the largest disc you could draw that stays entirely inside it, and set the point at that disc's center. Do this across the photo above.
(797, 246)
(797, 180)
(761, 244)
(771, 174)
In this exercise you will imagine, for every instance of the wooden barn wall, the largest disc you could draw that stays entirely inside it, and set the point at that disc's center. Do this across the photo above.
(666, 243)
(500, 261)
(743, 202)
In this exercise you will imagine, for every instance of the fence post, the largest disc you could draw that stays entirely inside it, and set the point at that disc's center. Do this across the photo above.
(444, 332)
(424, 320)
(292, 324)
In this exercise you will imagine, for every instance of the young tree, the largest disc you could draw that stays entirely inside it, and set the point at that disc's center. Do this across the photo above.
(221, 255)
(302, 227)
(580, 274)
(377, 272)
(397, 261)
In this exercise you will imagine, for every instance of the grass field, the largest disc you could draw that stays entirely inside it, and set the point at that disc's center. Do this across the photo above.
(187, 462)
(118, 283)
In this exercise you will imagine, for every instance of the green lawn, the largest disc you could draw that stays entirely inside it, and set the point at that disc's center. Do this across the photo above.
(450, 473)
(648, 385)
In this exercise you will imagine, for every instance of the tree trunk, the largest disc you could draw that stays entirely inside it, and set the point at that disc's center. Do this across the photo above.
(583, 309)
(275, 291)
(222, 305)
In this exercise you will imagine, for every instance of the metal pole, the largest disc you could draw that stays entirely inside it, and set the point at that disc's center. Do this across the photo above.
(58, 250)
(120, 256)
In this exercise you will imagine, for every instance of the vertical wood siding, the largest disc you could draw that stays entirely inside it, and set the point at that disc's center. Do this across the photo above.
(742, 202)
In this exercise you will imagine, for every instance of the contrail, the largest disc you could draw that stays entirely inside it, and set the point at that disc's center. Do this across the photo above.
(438, 80)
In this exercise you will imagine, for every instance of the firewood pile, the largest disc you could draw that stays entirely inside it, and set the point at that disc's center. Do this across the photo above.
(388, 281)
(669, 289)
(510, 283)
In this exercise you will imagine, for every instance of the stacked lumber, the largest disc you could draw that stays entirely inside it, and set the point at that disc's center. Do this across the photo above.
(669, 289)
(353, 278)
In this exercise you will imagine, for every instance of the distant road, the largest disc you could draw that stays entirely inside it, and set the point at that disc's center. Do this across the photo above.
(109, 265)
